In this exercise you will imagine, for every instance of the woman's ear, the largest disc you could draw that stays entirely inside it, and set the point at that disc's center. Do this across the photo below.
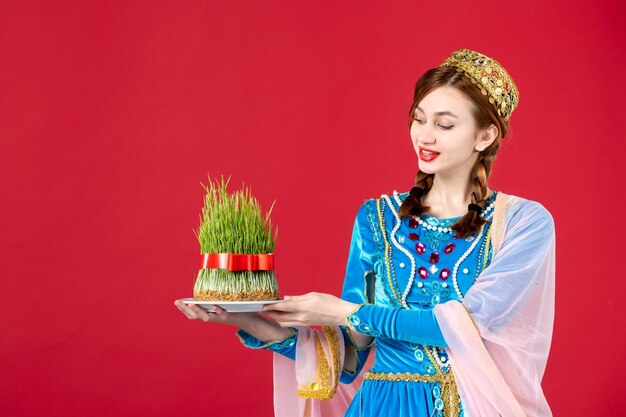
(486, 137)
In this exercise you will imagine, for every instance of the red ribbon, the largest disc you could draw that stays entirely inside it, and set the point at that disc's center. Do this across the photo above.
(237, 262)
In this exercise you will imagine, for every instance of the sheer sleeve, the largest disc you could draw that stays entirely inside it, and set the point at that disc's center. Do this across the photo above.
(500, 336)
(515, 271)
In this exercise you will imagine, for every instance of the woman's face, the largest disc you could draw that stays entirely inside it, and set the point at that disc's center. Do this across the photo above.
(443, 123)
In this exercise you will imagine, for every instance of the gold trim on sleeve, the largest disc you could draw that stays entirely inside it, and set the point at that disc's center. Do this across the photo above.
(349, 325)
(327, 379)
(265, 344)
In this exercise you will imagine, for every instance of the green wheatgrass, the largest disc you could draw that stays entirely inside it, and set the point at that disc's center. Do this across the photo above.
(233, 223)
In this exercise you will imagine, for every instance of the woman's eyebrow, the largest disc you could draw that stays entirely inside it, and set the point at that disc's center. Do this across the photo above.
(440, 113)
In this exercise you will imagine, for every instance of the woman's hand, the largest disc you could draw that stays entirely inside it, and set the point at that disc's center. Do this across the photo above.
(312, 309)
(194, 312)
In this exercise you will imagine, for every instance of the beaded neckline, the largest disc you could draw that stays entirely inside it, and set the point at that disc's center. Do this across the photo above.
(446, 221)
(436, 229)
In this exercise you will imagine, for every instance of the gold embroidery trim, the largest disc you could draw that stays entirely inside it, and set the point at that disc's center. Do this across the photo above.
(268, 343)
(384, 233)
(327, 379)
(487, 242)
(449, 390)
(350, 326)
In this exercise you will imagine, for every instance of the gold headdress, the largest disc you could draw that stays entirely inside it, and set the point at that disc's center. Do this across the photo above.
(489, 76)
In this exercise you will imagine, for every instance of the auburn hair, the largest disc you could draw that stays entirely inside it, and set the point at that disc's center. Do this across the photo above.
(485, 114)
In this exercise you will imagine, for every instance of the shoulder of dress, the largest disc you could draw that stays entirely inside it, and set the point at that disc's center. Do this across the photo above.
(368, 206)
(395, 198)
(526, 208)
(389, 203)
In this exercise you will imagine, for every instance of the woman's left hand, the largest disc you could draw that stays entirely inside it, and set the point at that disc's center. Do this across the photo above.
(312, 309)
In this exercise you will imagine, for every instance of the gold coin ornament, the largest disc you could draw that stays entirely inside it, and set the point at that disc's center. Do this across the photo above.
(489, 76)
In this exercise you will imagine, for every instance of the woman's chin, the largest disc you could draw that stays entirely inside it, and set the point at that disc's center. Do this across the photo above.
(426, 167)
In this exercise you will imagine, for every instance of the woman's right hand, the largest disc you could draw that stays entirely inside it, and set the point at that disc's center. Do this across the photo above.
(194, 312)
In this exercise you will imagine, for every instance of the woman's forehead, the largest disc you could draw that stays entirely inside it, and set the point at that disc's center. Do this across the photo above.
(443, 101)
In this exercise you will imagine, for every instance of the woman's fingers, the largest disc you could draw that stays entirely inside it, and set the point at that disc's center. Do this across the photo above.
(286, 319)
(193, 312)
(282, 306)
(218, 315)
(201, 314)
(184, 309)
(219, 310)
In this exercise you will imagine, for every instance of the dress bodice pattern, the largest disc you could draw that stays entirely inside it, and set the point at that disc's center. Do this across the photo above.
(427, 265)
(427, 253)
(397, 265)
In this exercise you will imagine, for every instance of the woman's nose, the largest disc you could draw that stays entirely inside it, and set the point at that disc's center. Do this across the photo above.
(429, 140)
(426, 139)
(426, 136)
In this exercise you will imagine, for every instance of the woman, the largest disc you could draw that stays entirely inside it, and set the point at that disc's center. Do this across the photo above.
(452, 283)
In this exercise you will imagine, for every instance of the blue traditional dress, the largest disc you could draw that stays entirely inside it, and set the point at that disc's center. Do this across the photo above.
(397, 271)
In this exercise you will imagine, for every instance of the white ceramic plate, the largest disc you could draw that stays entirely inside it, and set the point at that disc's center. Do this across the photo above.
(231, 306)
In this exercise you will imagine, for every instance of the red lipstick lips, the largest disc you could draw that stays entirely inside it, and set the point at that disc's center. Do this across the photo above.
(426, 157)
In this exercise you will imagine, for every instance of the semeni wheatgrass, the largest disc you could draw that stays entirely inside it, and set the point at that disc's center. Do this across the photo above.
(232, 223)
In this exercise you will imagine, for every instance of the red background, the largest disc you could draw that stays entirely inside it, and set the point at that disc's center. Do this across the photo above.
(112, 112)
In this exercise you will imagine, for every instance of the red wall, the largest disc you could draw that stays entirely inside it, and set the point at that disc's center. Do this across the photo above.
(112, 112)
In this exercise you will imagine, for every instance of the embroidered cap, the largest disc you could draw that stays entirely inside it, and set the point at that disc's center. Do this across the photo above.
(489, 76)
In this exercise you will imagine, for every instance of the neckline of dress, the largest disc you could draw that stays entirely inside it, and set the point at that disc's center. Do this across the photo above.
(447, 219)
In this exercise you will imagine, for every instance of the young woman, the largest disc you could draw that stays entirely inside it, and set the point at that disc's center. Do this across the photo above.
(451, 283)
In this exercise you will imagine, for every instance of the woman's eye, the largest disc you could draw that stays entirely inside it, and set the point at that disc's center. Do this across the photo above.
(420, 122)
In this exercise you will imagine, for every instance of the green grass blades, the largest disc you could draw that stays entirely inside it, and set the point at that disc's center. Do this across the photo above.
(233, 223)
